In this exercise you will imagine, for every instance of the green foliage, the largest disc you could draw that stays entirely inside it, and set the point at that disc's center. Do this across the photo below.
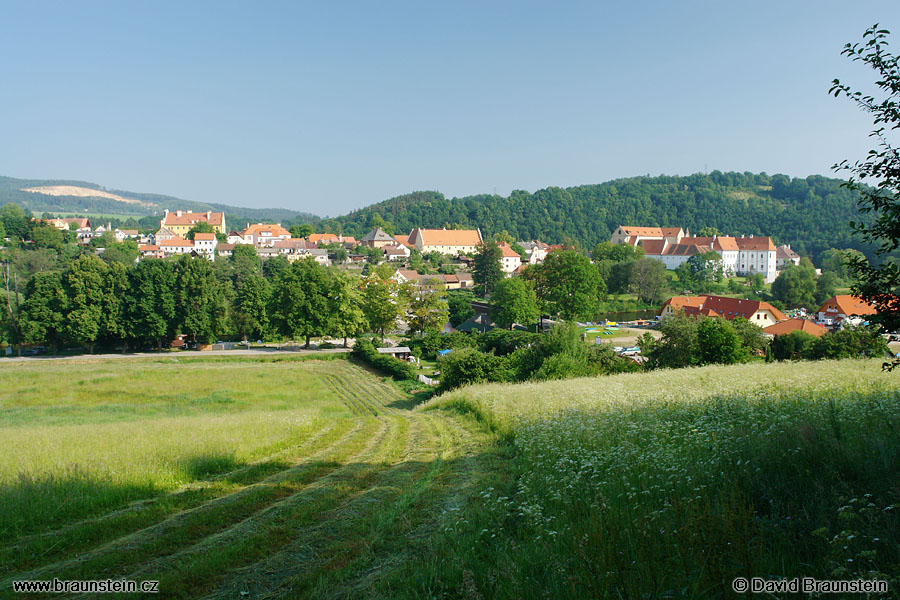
(826, 286)
(514, 301)
(733, 203)
(851, 342)
(791, 346)
(200, 227)
(881, 167)
(400, 370)
(752, 338)
(245, 263)
(15, 221)
(717, 342)
(467, 366)
(347, 318)
(459, 303)
(426, 307)
(150, 302)
(124, 253)
(299, 302)
(487, 272)
(42, 317)
(249, 314)
(568, 285)
(45, 235)
(84, 286)
(648, 280)
(199, 299)
(616, 253)
(678, 346)
(795, 286)
(301, 231)
(382, 302)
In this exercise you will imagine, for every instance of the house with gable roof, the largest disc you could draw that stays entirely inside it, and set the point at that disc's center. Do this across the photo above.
(445, 241)
(757, 312)
(180, 222)
(844, 307)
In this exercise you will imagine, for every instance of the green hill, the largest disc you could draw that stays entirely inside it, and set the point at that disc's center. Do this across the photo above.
(66, 197)
(811, 214)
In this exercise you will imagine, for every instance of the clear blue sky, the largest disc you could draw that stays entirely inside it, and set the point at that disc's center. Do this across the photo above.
(326, 107)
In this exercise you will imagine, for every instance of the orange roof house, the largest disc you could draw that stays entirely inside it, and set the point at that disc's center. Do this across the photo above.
(843, 306)
(264, 234)
(757, 312)
(180, 222)
(445, 241)
(790, 325)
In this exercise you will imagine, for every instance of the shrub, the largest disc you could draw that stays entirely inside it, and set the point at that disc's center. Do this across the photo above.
(364, 350)
(466, 366)
(791, 346)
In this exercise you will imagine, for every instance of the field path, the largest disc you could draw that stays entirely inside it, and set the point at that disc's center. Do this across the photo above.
(321, 519)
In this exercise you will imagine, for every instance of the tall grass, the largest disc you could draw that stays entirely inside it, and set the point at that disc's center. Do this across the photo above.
(673, 483)
(81, 438)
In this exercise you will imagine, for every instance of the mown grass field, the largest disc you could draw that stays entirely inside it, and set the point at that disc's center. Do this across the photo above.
(289, 478)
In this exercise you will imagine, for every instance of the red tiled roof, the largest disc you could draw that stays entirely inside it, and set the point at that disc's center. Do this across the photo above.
(729, 308)
(507, 251)
(847, 305)
(192, 218)
(269, 229)
(653, 247)
(790, 325)
(204, 237)
(755, 243)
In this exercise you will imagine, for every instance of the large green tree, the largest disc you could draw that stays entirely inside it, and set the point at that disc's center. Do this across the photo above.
(795, 286)
(299, 303)
(487, 271)
(249, 312)
(199, 299)
(382, 302)
(150, 305)
(426, 306)
(347, 318)
(84, 283)
(514, 301)
(570, 285)
(42, 317)
(648, 280)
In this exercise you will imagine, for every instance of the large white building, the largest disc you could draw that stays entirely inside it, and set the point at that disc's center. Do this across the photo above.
(739, 255)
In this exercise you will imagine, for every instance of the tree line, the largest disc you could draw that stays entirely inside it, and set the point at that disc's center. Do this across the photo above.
(93, 301)
(809, 213)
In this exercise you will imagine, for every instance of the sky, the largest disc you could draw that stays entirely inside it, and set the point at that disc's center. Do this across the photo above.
(327, 107)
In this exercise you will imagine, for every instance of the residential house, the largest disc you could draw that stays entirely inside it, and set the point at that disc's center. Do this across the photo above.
(398, 252)
(332, 238)
(264, 234)
(791, 325)
(205, 245)
(320, 255)
(176, 245)
(235, 237)
(377, 238)
(164, 235)
(180, 222)
(837, 309)
(757, 312)
(68, 223)
(126, 234)
(403, 240)
(405, 275)
(225, 250)
(535, 250)
(785, 256)
(510, 260)
(150, 251)
(446, 241)
(465, 281)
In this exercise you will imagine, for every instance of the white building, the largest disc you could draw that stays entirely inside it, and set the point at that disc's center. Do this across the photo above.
(205, 245)
(509, 259)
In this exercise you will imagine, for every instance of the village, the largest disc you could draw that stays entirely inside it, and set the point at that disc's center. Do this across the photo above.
(205, 235)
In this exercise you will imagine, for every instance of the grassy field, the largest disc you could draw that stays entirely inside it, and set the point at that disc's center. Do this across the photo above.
(221, 476)
(289, 478)
(673, 483)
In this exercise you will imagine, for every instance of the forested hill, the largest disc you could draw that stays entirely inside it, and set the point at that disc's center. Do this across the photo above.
(73, 198)
(811, 214)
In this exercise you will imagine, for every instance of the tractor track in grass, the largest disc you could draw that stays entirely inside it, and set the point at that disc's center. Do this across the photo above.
(344, 506)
